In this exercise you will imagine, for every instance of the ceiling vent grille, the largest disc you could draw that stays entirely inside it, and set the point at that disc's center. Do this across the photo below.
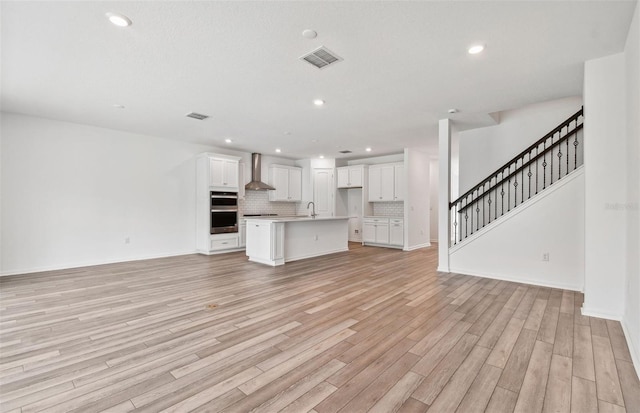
(195, 115)
(321, 57)
(346, 151)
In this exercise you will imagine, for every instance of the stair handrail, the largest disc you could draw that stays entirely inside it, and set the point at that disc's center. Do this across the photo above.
(531, 161)
(513, 160)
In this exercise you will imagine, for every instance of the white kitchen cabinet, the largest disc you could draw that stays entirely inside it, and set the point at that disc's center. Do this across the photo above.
(214, 172)
(383, 231)
(265, 242)
(398, 182)
(383, 180)
(287, 181)
(396, 232)
(223, 242)
(224, 173)
(350, 176)
(375, 230)
(242, 233)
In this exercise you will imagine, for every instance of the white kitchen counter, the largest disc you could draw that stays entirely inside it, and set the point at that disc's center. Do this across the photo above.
(276, 240)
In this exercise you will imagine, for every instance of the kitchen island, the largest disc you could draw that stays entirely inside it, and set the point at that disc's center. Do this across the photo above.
(276, 240)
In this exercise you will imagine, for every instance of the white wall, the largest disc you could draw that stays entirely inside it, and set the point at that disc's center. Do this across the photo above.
(378, 160)
(484, 150)
(512, 248)
(72, 193)
(605, 186)
(417, 199)
(631, 318)
(433, 200)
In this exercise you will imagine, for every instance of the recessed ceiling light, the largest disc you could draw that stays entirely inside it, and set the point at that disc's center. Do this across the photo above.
(321, 156)
(314, 140)
(118, 106)
(318, 102)
(119, 19)
(287, 133)
(278, 150)
(228, 140)
(475, 49)
(309, 34)
(368, 149)
(452, 111)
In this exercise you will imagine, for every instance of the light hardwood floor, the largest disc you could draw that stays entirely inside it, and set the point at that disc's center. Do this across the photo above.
(369, 330)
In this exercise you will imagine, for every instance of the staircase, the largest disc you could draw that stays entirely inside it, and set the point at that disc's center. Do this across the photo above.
(547, 161)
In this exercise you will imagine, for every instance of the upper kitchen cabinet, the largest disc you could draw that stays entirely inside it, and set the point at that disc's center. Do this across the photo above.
(217, 172)
(386, 182)
(351, 176)
(224, 171)
(398, 182)
(287, 181)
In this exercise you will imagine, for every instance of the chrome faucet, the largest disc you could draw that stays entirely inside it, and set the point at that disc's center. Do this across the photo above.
(313, 211)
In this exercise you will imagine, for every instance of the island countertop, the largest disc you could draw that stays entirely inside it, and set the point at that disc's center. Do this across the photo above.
(296, 218)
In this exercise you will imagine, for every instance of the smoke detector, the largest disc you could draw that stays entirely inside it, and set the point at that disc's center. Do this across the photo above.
(321, 57)
(195, 115)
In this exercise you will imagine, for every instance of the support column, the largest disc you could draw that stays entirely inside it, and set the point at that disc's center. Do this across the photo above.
(444, 193)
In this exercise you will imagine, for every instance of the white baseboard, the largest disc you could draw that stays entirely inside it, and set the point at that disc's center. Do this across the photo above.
(516, 279)
(416, 247)
(26, 271)
(594, 312)
(635, 352)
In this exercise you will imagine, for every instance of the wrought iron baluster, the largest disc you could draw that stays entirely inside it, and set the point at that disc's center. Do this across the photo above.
(496, 207)
(489, 201)
(466, 217)
(537, 151)
(544, 165)
(551, 163)
(509, 192)
(473, 200)
(575, 152)
(455, 223)
(567, 150)
(529, 174)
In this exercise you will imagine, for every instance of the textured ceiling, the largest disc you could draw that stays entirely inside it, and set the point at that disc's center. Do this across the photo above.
(405, 64)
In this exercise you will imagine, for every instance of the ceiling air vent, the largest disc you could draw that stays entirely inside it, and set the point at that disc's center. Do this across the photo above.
(195, 115)
(347, 151)
(321, 57)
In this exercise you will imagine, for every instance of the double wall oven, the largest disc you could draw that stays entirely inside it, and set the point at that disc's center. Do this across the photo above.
(224, 212)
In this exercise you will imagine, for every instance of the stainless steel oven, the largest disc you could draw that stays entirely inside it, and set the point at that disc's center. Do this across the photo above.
(224, 212)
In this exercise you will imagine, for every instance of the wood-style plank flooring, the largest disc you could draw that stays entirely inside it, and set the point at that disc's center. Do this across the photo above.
(372, 329)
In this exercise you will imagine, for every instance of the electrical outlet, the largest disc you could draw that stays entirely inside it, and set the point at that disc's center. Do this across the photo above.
(357, 231)
(545, 256)
(316, 237)
(127, 240)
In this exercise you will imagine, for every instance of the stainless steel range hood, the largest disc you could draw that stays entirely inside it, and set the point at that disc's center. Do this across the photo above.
(256, 171)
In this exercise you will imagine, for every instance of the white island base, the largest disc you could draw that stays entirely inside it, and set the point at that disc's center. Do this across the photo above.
(274, 241)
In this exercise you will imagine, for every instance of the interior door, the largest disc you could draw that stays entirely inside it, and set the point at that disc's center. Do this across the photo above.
(323, 192)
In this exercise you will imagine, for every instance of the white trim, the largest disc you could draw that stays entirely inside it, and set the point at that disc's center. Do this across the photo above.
(594, 312)
(635, 352)
(216, 252)
(416, 247)
(515, 279)
(93, 263)
(315, 254)
(521, 208)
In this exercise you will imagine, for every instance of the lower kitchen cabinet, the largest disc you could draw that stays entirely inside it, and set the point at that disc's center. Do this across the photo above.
(220, 242)
(383, 231)
(396, 232)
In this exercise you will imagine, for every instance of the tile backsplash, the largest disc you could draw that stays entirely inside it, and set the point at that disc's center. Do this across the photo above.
(388, 209)
(257, 202)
